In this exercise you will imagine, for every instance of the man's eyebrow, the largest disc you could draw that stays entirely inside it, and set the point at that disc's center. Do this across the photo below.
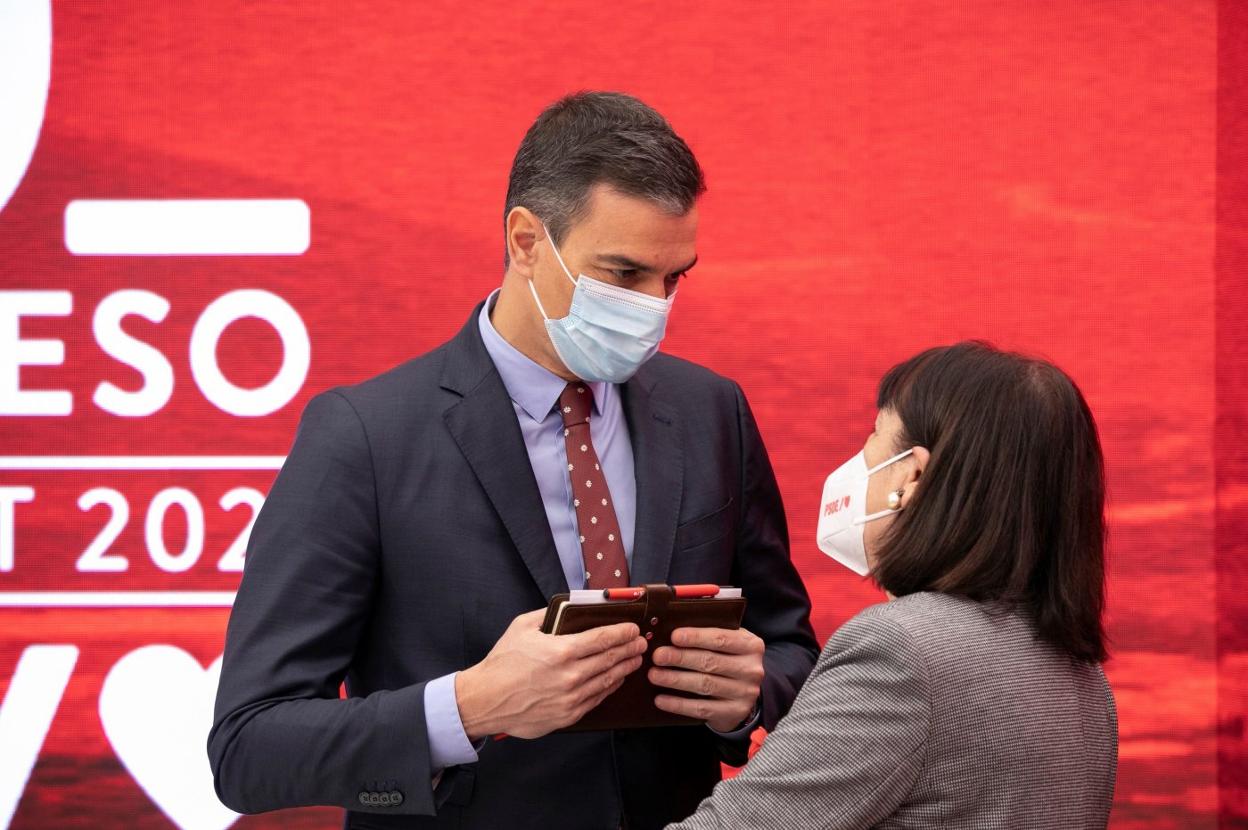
(632, 264)
(623, 262)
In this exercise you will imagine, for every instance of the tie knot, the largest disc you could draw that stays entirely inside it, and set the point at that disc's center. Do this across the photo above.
(575, 402)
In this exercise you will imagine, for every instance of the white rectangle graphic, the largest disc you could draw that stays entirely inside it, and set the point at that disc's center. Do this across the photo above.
(188, 227)
(141, 462)
(116, 599)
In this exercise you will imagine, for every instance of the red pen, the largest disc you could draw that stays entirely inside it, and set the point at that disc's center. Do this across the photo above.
(695, 591)
(681, 592)
(623, 593)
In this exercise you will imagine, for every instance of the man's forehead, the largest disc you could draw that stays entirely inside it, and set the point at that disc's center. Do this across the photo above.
(632, 228)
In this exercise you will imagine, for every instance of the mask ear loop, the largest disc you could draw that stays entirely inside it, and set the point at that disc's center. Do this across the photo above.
(566, 273)
(871, 517)
(892, 460)
(892, 508)
(533, 288)
(555, 248)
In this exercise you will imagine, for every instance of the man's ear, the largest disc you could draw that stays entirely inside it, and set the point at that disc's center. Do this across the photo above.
(524, 231)
(921, 456)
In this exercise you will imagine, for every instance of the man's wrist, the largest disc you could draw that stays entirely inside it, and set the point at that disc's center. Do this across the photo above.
(752, 717)
(449, 745)
(465, 699)
(747, 725)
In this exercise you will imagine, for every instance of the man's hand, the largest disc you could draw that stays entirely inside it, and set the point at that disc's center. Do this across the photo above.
(722, 665)
(531, 683)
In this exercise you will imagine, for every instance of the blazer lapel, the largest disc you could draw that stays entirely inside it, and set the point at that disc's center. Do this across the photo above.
(658, 463)
(484, 426)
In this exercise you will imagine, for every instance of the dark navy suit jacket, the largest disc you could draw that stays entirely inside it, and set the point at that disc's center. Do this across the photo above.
(401, 537)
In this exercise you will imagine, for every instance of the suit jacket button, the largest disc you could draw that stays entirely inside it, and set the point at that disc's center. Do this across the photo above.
(383, 799)
(396, 798)
(364, 798)
(373, 801)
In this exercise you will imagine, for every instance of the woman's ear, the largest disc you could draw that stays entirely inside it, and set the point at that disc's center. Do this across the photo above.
(921, 456)
(524, 230)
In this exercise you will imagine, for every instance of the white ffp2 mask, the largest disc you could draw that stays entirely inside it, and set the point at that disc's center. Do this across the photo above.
(842, 511)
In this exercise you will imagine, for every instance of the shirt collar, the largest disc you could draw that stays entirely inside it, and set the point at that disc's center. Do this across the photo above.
(532, 386)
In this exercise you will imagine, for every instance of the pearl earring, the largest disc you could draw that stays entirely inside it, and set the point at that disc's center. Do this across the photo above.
(894, 500)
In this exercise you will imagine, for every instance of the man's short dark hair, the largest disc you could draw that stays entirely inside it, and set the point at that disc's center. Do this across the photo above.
(1010, 508)
(591, 138)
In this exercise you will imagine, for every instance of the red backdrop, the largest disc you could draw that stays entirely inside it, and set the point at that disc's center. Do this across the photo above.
(1061, 178)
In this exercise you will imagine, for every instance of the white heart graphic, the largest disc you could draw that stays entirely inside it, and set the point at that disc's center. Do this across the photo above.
(156, 707)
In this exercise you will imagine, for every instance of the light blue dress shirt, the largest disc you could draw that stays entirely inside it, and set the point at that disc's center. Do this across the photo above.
(534, 391)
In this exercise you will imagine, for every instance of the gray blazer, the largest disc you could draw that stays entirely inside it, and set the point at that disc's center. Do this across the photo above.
(932, 711)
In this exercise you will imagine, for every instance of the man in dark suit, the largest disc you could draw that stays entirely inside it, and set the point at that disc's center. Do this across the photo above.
(423, 515)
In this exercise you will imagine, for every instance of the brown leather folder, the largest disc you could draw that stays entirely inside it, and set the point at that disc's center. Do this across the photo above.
(658, 612)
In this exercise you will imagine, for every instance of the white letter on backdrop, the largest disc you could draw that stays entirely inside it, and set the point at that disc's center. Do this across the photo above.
(151, 364)
(16, 353)
(296, 352)
(26, 715)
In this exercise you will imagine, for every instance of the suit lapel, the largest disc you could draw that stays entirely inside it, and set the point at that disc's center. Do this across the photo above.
(658, 463)
(484, 425)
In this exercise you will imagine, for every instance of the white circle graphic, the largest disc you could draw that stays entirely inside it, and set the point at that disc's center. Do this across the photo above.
(25, 72)
(296, 357)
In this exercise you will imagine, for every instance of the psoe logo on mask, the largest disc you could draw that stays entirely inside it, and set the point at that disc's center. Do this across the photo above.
(836, 506)
(26, 70)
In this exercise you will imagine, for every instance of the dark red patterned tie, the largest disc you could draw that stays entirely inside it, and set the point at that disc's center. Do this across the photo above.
(601, 545)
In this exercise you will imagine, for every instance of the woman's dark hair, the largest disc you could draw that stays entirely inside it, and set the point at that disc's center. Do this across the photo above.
(1010, 508)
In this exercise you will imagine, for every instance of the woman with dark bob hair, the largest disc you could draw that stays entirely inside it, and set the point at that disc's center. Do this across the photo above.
(974, 698)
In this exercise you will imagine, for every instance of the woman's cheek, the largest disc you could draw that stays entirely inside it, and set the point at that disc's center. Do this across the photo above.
(872, 532)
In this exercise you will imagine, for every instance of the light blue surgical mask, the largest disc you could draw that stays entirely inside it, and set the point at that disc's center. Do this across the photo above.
(609, 331)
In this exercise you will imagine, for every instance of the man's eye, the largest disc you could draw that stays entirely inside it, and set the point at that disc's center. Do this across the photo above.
(677, 277)
(624, 273)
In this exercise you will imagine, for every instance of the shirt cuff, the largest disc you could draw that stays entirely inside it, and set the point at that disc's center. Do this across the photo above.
(744, 730)
(448, 745)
